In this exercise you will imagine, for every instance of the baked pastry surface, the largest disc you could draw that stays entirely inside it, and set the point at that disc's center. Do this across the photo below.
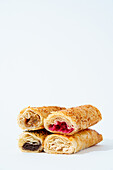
(32, 141)
(62, 144)
(32, 118)
(72, 120)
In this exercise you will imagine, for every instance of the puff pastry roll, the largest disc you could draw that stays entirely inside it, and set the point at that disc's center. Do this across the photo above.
(72, 120)
(32, 118)
(32, 141)
(62, 144)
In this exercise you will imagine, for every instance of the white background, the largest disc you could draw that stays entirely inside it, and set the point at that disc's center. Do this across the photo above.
(55, 53)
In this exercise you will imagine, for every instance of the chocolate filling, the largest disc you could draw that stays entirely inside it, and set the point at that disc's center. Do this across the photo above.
(31, 146)
(27, 120)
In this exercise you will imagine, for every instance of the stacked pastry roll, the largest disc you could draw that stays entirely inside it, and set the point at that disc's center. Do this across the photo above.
(31, 119)
(58, 130)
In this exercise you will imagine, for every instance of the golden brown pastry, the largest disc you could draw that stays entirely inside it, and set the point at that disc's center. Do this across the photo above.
(72, 120)
(32, 141)
(32, 118)
(62, 144)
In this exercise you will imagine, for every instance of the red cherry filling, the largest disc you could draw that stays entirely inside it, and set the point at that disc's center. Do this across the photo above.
(60, 127)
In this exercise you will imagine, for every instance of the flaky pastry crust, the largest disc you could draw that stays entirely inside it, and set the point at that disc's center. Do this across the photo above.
(30, 137)
(32, 118)
(78, 118)
(62, 144)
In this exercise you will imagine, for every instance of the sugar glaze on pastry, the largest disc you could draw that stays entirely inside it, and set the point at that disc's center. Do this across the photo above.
(62, 144)
(72, 120)
(32, 118)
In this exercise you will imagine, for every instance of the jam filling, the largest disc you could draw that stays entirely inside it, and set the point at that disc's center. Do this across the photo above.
(60, 127)
(31, 146)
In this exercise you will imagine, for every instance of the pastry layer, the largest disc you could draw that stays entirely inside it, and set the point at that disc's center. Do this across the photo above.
(72, 120)
(32, 118)
(32, 141)
(61, 144)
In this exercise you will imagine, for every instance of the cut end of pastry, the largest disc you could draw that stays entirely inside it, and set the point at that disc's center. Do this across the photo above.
(58, 144)
(29, 120)
(57, 123)
(29, 143)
